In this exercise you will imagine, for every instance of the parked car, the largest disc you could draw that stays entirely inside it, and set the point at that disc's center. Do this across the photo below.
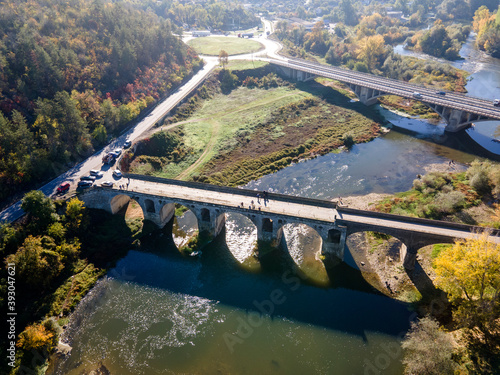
(107, 184)
(417, 95)
(63, 187)
(441, 93)
(87, 178)
(96, 173)
(118, 151)
(85, 183)
(108, 159)
(496, 102)
(127, 143)
(117, 173)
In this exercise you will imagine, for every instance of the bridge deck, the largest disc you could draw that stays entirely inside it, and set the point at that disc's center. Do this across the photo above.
(391, 86)
(233, 197)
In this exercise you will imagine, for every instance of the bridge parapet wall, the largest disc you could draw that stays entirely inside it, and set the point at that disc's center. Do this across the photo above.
(236, 191)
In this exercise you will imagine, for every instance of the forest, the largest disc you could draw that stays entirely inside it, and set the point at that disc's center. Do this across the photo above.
(214, 15)
(363, 34)
(74, 74)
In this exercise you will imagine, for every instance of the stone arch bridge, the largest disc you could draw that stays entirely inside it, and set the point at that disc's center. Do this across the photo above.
(210, 203)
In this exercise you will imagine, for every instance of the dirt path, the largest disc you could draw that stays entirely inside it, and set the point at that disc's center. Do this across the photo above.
(211, 143)
(216, 114)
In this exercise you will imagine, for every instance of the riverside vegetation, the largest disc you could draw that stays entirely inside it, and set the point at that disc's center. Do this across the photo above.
(468, 340)
(284, 123)
(56, 265)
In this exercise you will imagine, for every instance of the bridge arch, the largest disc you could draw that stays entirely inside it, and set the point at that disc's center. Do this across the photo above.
(185, 225)
(130, 207)
(118, 202)
(241, 235)
(411, 242)
(302, 242)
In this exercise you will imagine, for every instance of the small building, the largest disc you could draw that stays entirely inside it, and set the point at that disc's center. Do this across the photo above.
(247, 35)
(198, 33)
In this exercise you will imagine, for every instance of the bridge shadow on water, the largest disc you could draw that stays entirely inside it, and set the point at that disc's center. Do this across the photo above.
(349, 305)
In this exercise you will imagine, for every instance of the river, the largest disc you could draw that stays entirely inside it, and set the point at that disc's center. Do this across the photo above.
(158, 312)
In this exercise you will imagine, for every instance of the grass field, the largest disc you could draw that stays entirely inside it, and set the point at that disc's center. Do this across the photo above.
(245, 64)
(233, 46)
(216, 126)
(235, 138)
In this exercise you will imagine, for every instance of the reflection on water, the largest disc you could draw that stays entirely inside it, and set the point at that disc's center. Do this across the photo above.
(184, 227)
(180, 315)
(241, 236)
(304, 246)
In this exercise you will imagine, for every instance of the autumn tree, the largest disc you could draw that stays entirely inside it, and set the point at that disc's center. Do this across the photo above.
(372, 50)
(469, 272)
(36, 265)
(75, 214)
(223, 58)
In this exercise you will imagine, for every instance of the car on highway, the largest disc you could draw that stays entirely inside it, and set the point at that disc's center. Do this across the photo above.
(127, 143)
(496, 102)
(107, 184)
(96, 173)
(117, 173)
(88, 178)
(417, 95)
(85, 183)
(441, 93)
(63, 187)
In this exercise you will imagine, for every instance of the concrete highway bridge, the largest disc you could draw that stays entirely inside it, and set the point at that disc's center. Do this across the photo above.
(209, 203)
(459, 111)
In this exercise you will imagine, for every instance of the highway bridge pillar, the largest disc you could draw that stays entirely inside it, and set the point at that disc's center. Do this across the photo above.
(456, 119)
(334, 244)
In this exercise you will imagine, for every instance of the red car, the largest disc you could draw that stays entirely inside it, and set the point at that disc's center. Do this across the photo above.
(63, 187)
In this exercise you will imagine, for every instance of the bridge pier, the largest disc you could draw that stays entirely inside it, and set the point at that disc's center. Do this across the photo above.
(333, 245)
(210, 220)
(268, 230)
(156, 211)
(366, 95)
(408, 256)
(296, 75)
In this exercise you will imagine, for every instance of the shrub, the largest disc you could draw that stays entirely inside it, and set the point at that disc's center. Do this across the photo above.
(428, 349)
(450, 202)
(478, 175)
(36, 266)
(435, 180)
(348, 141)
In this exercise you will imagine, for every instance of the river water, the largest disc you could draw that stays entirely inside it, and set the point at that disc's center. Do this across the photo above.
(225, 312)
